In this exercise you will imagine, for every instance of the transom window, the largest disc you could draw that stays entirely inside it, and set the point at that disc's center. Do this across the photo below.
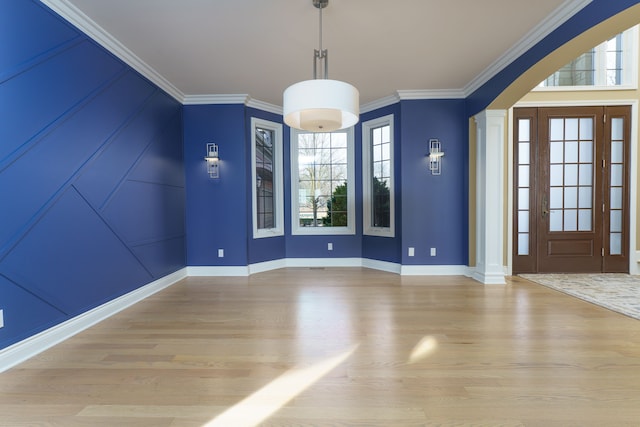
(377, 178)
(322, 182)
(610, 64)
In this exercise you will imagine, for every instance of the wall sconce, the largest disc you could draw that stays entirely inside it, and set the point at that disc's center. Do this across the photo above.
(435, 156)
(212, 160)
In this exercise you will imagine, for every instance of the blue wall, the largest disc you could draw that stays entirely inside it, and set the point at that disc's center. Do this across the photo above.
(217, 209)
(91, 174)
(435, 207)
(431, 211)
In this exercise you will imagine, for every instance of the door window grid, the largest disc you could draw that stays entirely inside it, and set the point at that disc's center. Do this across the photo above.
(616, 186)
(571, 174)
(524, 167)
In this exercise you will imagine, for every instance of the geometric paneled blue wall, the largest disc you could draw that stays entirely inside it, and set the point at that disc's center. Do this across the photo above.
(91, 174)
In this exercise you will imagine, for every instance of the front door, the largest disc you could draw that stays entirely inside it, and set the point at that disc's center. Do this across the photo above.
(571, 189)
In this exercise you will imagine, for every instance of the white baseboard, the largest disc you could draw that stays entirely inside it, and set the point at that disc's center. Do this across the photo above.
(323, 262)
(435, 270)
(405, 270)
(38, 343)
(489, 278)
(217, 271)
(391, 267)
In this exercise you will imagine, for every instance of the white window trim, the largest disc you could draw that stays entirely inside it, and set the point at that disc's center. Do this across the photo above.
(296, 229)
(369, 229)
(278, 190)
(629, 68)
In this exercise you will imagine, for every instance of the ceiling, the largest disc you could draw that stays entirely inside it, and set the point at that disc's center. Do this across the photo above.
(260, 47)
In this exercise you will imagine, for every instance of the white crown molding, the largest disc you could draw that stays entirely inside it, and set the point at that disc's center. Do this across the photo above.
(558, 17)
(106, 40)
(379, 103)
(431, 94)
(23, 350)
(264, 106)
(239, 98)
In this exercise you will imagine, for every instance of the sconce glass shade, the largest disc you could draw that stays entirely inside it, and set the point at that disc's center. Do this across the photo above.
(321, 105)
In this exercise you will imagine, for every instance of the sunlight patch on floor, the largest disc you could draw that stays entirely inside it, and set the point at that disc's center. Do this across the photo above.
(265, 402)
(425, 347)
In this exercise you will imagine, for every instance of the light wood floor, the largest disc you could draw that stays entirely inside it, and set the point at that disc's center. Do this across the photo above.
(338, 347)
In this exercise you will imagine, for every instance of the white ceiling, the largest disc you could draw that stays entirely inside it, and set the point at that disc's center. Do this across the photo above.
(259, 47)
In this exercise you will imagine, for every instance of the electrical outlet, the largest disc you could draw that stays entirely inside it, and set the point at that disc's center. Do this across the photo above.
(329, 246)
(1, 318)
(433, 251)
(220, 253)
(412, 251)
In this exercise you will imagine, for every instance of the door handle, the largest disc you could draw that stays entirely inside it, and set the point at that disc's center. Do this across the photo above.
(545, 206)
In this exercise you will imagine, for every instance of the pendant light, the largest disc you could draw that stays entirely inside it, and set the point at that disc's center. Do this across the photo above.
(321, 104)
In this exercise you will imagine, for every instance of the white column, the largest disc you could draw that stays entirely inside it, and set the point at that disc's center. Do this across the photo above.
(490, 143)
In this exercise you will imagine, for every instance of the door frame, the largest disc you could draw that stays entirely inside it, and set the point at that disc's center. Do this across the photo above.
(634, 254)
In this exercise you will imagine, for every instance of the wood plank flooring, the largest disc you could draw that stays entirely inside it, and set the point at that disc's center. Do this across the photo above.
(338, 347)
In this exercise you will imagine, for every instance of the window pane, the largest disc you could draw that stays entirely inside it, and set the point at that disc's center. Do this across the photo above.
(523, 244)
(523, 153)
(556, 175)
(570, 220)
(584, 220)
(377, 136)
(616, 198)
(386, 152)
(570, 197)
(556, 151)
(556, 129)
(586, 151)
(377, 152)
(615, 244)
(616, 175)
(523, 198)
(523, 221)
(617, 129)
(586, 129)
(571, 129)
(523, 176)
(523, 130)
(386, 133)
(571, 152)
(555, 198)
(555, 220)
(616, 152)
(616, 221)
(585, 198)
(586, 174)
(571, 175)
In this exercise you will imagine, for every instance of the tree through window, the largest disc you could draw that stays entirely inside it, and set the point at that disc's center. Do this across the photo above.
(321, 174)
